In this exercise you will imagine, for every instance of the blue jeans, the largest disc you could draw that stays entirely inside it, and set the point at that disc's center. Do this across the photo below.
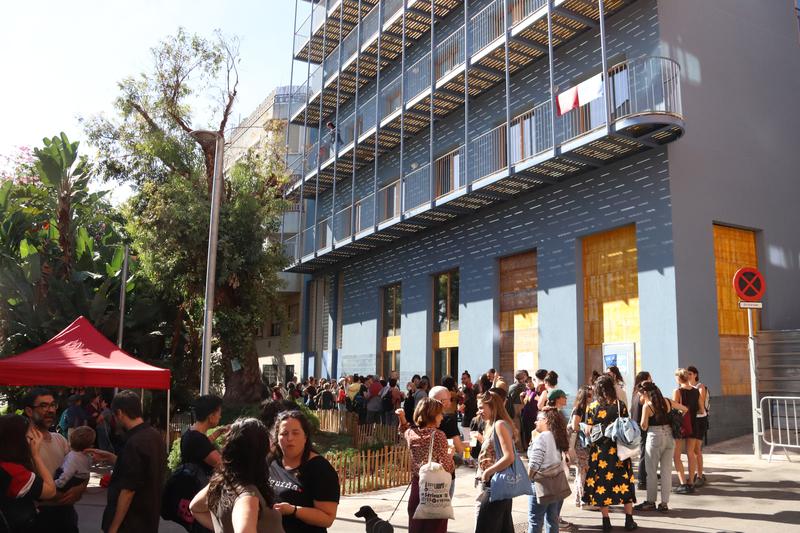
(538, 514)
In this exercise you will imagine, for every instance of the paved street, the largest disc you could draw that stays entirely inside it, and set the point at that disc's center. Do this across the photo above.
(742, 495)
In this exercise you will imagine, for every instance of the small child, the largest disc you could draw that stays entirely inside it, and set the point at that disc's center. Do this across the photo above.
(75, 469)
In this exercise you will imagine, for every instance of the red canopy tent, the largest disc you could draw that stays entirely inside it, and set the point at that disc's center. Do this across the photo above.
(81, 356)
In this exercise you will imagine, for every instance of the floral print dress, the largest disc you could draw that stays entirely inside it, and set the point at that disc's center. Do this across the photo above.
(609, 481)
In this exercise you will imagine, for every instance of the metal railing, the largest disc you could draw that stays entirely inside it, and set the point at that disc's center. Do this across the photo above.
(290, 247)
(417, 187)
(342, 224)
(302, 34)
(488, 153)
(390, 7)
(581, 120)
(519, 9)
(364, 213)
(370, 25)
(450, 172)
(531, 133)
(347, 130)
(366, 115)
(324, 233)
(645, 85)
(389, 201)
(779, 428)
(391, 95)
(308, 241)
(418, 77)
(486, 25)
(450, 53)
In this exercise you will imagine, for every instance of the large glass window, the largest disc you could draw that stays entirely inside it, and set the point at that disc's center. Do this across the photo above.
(389, 360)
(391, 310)
(446, 301)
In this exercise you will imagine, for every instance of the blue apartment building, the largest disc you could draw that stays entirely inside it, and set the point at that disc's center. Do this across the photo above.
(561, 184)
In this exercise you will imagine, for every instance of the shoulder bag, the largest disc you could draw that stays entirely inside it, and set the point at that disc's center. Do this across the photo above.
(434, 490)
(511, 482)
(551, 484)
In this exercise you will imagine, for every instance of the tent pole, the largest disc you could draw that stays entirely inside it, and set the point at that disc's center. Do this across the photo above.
(168, 435)
(122, 286)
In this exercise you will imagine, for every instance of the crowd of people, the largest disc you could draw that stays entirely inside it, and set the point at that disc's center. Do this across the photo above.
(267, 476)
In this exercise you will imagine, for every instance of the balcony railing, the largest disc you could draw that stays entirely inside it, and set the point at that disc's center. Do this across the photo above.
(417, 188)
(647, 85)
(418, 77)
(389, 201)
(488, 153)
(364, 213)
(486, 25)
(290, 247)
(450, 53)
(343, 224)
(450, 172)
(520, 9)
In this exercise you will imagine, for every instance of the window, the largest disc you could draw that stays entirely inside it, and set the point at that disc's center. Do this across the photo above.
(390, 330)
(276, 329)
(446, 301)
(271, 374)
(445, 325)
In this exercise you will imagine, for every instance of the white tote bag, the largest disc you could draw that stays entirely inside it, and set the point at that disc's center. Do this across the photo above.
(434, 490)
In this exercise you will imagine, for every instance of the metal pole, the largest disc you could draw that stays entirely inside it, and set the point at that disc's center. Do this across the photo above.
(604, 59)
(431, 173)
(402, 207)
(211, 261)
(288, 126)
(377, 118)
(168, 432)
(336, 126)
(319, 129)
(553, 103)
(751, 349)
(122, 286)
(507, 34)
(467, 55)
(356, 129)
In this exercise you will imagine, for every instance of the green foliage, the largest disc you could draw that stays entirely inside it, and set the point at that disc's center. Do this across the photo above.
(148, 145)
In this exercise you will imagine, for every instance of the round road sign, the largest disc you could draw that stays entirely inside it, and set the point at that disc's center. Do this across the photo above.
(749, 284)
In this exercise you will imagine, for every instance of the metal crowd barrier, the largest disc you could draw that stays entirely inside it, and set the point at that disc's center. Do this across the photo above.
(779, 426)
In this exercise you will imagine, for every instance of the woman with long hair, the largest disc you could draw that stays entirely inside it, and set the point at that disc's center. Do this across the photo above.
(427, 416)
(306, 485)
(636, 414)
(694, 399)
(550, 383)
(492, 515)
(238, 498)
(24, 478)
(609, 481)
(619, 383)
(578, 415)
(544, 452)
(660, 445)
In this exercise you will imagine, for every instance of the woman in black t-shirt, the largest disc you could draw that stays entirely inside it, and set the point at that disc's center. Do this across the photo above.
(306, 485)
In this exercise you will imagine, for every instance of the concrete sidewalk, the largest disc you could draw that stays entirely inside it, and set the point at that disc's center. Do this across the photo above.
(742, 495)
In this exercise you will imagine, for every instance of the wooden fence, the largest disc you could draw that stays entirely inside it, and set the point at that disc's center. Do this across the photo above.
(369, 470)
(364, 435)
(335, 421)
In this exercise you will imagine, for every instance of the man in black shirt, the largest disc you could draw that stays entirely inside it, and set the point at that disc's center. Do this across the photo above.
(134, 494)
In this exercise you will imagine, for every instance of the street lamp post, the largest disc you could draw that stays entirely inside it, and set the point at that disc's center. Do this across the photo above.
(205, 138)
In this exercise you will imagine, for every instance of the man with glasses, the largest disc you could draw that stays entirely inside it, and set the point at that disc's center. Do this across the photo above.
(58, 513)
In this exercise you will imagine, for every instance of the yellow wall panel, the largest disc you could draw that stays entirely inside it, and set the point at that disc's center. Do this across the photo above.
(519, 321)
(734, 248)
(611, 293)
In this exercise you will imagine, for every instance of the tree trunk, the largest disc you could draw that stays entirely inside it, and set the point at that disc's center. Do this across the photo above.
(64, 233)
(243, 386)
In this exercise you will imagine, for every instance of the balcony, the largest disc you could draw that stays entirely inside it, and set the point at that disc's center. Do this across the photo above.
(539, 148)
(527, 43)
(358, 53)
(323, 26)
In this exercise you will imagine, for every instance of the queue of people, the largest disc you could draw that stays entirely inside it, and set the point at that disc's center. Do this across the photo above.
(267, 476)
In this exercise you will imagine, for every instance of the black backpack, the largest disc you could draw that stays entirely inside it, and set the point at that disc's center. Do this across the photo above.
(408, 406)
(386, 401)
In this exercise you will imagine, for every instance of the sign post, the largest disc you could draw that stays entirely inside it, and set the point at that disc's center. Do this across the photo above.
(749, 285)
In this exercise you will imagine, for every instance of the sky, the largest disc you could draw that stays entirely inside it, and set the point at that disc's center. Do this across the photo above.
(62, 60)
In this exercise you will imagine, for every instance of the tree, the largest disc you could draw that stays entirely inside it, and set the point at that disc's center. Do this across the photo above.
(61, 253)
(148, 145)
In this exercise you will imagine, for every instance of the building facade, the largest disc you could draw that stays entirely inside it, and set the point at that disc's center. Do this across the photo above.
(278, 340)
(545, 184)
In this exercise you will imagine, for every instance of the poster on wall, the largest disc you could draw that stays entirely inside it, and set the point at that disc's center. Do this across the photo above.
(623, 356)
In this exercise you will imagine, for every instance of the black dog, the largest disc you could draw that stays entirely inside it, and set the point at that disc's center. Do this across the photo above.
(374, 524)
